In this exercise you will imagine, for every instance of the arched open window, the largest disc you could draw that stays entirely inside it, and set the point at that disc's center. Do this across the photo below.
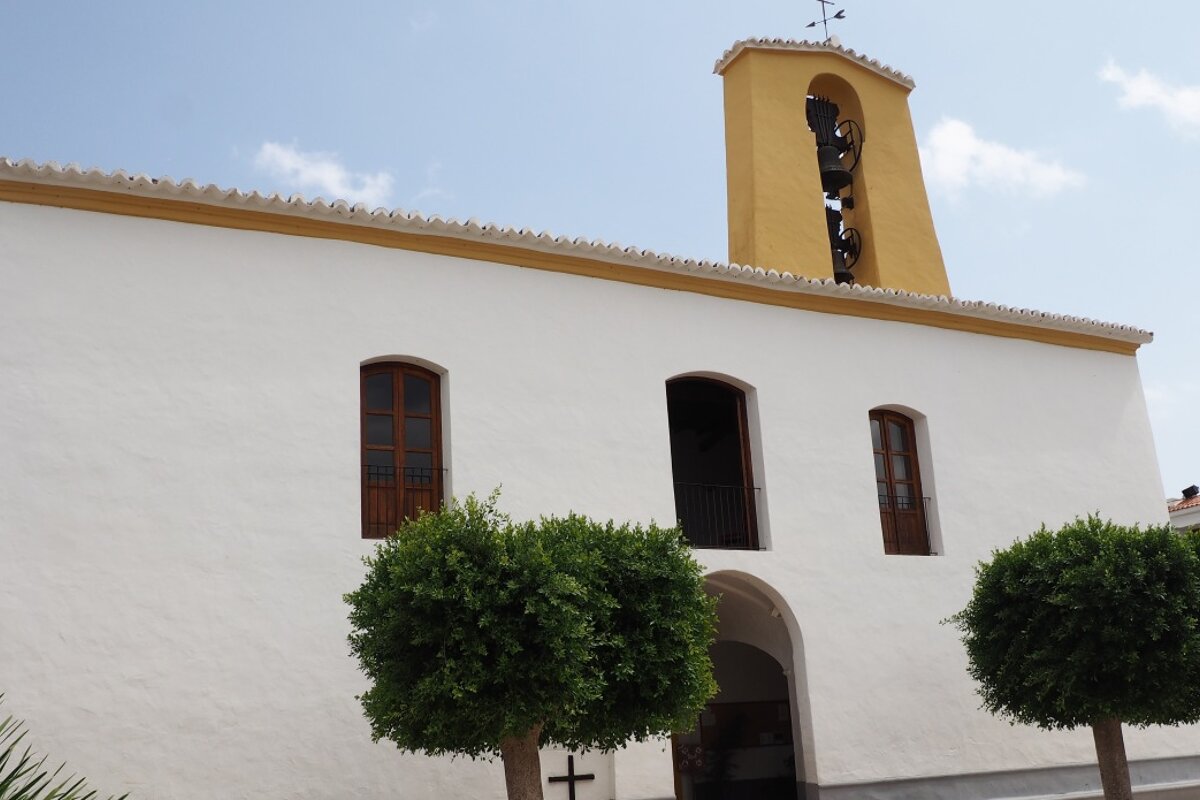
(902, 507)
(401, 445)
(715, 496)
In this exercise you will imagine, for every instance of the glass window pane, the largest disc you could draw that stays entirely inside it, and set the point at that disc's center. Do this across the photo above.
(379, 429)
(900, 468)
(377, 391)
(377, 465)
(883, 494)
(378, 458)
(897, 437)
(416, 395)
(418, 461)
(880, 473)
(418, 433)
(876, 435)
(904, 490)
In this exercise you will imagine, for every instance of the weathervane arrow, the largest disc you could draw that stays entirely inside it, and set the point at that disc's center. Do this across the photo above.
(824, 20)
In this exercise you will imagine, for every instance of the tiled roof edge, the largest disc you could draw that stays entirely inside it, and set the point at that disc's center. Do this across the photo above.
(1183, 503)
(414, 222)
(805, 46)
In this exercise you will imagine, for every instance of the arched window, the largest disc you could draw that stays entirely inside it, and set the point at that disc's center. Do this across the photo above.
(401, 445)
(898, 481)
(715, 496)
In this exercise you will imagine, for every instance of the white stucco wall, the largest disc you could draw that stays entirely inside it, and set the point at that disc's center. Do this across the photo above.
(179, 498)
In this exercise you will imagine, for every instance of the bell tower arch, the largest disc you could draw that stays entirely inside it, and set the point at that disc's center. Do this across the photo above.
(781, 186)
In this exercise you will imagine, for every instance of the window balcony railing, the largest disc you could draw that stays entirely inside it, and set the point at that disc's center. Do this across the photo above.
(714, 516)
(388, 502)
(905, 522)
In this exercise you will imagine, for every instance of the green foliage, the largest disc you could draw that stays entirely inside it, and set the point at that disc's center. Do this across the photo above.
(1089, 622)
(473, 628)
(24, 776)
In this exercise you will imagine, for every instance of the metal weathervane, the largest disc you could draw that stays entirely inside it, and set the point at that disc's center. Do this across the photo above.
(826, 17)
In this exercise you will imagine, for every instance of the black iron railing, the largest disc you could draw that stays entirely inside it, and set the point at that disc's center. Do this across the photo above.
(387, 501)
(895, 502)
(413, 476)
(905, 524)
(718, 516)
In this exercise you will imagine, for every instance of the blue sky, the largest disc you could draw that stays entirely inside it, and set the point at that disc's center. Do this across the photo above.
(1061, 140)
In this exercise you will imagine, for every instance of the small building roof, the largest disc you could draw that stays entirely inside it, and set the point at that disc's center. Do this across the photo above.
(1185, 511)
(1183, 504)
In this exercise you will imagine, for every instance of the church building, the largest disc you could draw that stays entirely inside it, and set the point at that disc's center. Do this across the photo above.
(215, 402)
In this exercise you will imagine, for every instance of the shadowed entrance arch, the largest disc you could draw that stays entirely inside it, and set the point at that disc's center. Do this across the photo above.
(748, 742)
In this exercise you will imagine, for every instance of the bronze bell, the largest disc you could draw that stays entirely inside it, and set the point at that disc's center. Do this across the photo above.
(834, 175)
(841, 273)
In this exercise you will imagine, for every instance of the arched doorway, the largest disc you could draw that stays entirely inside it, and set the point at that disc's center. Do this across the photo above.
(746, 744)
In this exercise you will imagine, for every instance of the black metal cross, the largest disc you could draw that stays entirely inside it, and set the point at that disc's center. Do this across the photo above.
(570, 778)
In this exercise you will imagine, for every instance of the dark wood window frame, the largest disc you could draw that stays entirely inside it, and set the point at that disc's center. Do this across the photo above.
(902, 512)
(400, 434)
(736, 504)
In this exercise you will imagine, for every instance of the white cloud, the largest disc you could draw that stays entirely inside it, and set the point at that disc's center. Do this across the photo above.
(432, 189)
(1179, 104)
(423, 21)
(954, 158)
(323, 174)
(1172, 408)
(1171, 404)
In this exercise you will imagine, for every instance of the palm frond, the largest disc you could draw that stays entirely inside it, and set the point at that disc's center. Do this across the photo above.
(25, 776)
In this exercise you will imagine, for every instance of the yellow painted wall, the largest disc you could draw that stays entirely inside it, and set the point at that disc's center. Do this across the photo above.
(776, 206)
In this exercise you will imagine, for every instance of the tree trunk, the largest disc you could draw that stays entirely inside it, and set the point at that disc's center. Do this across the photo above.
(522, 765)
(1110, 753)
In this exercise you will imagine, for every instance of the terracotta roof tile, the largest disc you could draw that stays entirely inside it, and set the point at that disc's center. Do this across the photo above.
(1181, 504)
(121, 182)
(811, 47)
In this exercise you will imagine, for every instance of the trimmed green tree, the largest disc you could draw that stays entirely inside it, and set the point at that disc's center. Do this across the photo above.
(1094, 624)
(482, 636)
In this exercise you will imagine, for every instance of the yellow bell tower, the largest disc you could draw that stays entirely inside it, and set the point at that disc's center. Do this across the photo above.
(784, 210)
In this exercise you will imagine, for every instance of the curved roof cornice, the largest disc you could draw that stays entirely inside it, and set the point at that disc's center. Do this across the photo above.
(804, 46)
(43, 177)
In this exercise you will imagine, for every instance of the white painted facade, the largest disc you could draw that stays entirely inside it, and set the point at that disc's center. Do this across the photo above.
(179, 497)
